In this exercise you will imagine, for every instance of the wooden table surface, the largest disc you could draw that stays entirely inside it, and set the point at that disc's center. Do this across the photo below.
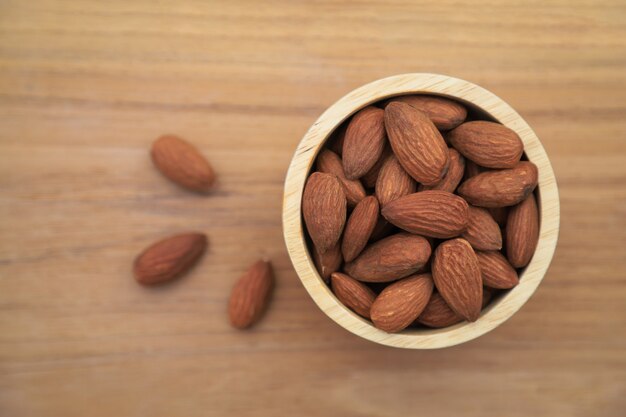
(85, 87)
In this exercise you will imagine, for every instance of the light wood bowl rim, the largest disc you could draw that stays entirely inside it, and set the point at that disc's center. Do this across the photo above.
(500, 310)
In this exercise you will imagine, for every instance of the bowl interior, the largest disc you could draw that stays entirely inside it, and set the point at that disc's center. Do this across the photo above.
(481, 105)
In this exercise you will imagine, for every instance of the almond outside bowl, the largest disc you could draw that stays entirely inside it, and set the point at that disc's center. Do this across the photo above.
(476, 98)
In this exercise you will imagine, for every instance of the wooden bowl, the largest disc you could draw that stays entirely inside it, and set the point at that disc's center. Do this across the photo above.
(474, 97)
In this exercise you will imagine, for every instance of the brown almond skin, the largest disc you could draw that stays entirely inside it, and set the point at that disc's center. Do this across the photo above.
(369, 179)
(324, 209)
(393, 182)
(500, 188)
(330, 163)
(182, 163)
(496, 271)
(522, 232)
(453, 177)
(489, 144)
(364, 142)
(457, 277)
(359, 227)
(482, 232)
(438, 314)
(444, 113)
(499, 214)
(382, 229)
(335, 143)
(430, 213)
(488, 294)
(416, 142)
(250, 295)
(169, 258)
(328, 262)
(398, 305)
(353, 294)
(472, 169)
(391, 258)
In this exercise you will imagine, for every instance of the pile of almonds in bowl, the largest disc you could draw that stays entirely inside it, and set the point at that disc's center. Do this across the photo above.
(418, 213)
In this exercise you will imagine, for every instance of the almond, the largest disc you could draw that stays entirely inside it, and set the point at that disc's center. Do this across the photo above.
(393, 182)
(482, 232)
(370, 178)
(330, 163)
(453, 177)
(169, 258)
(457, 277)
(390, 259)
(488, 294)
(401, 303)
(324, 210)
(382, 229)
(328, 262)
(364, 142)
(500, 188)
(335, 143)
(429, 213)
(522, 232)
(417, 143)
(445, 114)
(489, 144)
(353, 294)
(472, 169)
(496, 271)
(499, 214)
(182, 163)
(438, 314)
(359, 227)
(250, 295)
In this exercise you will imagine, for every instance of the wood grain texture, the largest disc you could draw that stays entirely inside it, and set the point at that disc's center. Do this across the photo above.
(85, 87)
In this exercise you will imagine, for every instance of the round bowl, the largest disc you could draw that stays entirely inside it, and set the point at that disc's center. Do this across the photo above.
(504, 306)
